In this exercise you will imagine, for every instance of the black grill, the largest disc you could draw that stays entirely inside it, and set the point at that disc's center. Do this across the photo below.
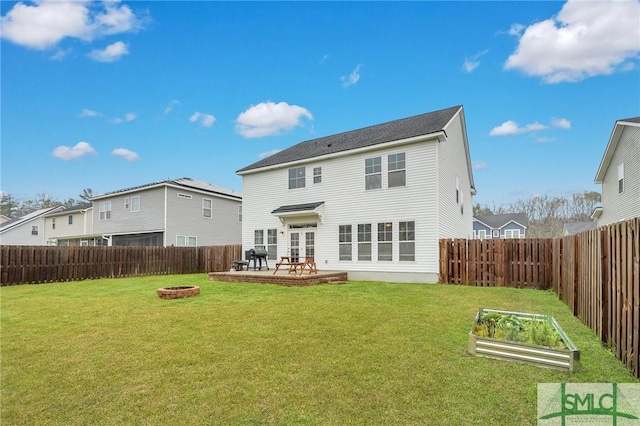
(257, 256)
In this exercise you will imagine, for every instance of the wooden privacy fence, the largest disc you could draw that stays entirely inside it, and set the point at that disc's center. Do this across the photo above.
(497, 263)
(37, 264)
(595, 273)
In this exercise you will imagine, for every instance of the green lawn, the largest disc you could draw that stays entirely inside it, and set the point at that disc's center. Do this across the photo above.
(109, 351)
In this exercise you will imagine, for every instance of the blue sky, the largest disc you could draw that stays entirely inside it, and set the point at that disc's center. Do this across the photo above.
(109, 95)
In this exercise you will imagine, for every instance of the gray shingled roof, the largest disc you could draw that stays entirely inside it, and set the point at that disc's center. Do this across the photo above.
(631, 120)
(298, 207)
(184, 182)
(577, 227)
(496, 221)
(381, 133)
(77, 207)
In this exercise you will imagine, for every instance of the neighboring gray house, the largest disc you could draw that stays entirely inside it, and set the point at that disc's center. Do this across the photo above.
(619, 174)
(373, 201)
(177, 212)
(571, 228)
(510, 225)
(72, 226)
(27, 230)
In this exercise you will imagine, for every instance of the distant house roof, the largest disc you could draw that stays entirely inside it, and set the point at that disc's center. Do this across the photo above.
(577, 227)
(406, 128)
(10, 224)
(182, 182)
(66, 210)
(497, 221)
(613, 143)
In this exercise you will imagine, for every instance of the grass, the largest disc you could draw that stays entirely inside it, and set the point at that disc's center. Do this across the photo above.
(110, 352)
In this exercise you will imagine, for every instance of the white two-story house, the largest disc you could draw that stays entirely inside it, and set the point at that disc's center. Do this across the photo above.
(619, 174)
(177, 212)
(373, 202)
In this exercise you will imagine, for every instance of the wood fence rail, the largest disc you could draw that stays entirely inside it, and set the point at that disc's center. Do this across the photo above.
(595, 273)
(37, 264)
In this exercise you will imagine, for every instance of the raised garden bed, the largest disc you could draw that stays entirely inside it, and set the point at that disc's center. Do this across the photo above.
(522, 337)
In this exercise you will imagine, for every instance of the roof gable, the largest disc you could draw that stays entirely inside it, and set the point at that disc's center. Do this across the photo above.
(613, 144)
(497, 221)
(27, 218)
(406, 128)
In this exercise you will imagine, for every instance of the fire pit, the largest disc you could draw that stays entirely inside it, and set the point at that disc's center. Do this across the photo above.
(178, 292)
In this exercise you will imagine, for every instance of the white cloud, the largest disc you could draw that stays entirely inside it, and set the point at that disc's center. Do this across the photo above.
(562, 123)
(545, 139)
(269, 118)
(171, 106)
(351, 79)
(89, 113)
(587, 38)
(268, 153)
(471, 63)
(510, 127)
(480, 165)
(206, 120)
(61, 54)
(46, 22)
(68, 153)
(324, 59)
(126, 154)
(111, 53)
(130, 116)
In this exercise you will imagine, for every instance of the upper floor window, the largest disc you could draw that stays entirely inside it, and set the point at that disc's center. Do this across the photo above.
(457, 190)
(240, 213)
(344, 242)
(364, 241)
(53, 223)
(296, 177)
(620, 178)
(373, 173)
(70, 219)
(317, 174)
(407, 238)
(104, 209)
(207, 207)
(397, 170)
(135, 204)
(34, 230)
(126, 203)
(385, 241)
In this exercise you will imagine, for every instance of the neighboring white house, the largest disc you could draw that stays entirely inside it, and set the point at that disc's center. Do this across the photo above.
(508, 225)
(178, 212)
(373, 202)
(619, 174)
(72, 226)
(27, 230)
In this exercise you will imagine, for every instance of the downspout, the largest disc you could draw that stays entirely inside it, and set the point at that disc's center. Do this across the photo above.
(164, 234)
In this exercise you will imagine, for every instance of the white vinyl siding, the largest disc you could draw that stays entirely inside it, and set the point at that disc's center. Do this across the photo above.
(623, 173)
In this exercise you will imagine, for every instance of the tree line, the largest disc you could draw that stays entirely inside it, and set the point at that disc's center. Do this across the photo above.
(10, 207)
(547, 215)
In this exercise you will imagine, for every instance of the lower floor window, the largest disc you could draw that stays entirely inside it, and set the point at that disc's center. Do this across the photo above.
(512, 233)
(364, 241)
(407, 241)
(186, 241)
(272, 243)
(344, 242)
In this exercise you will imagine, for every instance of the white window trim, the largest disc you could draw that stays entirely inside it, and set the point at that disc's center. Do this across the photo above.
(135, 208)
(126, 203)
(620, 178)
(35, 230)
(204, 208)
(404, 170)
(104, 207)
(374, 173)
